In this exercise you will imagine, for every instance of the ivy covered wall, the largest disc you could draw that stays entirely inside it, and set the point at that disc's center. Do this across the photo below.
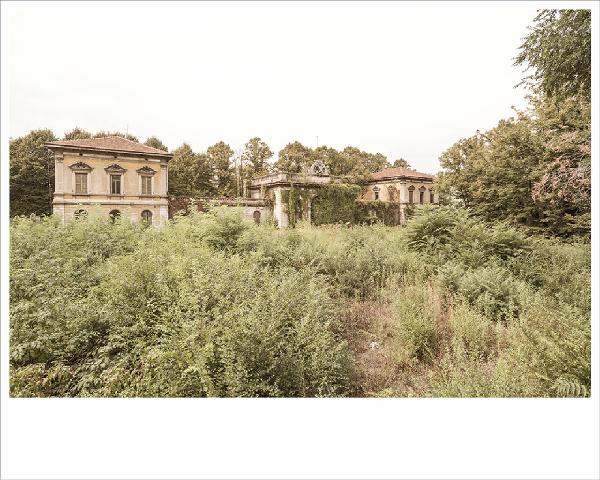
(337, 203)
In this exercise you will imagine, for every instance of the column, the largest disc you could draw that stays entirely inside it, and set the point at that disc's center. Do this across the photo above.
(278, 210)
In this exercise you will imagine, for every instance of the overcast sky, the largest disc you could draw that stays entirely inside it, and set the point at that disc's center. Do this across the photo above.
(403, 79)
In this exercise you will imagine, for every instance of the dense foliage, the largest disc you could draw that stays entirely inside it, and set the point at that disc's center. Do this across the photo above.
(214, 305)
(338, 203)
(535, 169)
(351, 162)
(31, 176)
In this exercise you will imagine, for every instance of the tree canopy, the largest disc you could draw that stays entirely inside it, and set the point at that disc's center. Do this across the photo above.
(189, 173)
(219, 158)
(535, 168)
(559, 50)
(255, 157)
(31, 176)
(154, 142)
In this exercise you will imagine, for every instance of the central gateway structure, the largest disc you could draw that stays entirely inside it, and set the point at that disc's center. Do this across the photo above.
(401, 186)
(275, 188)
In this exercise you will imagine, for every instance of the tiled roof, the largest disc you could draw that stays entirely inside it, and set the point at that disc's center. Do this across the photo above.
(113, 144)
(398, 172)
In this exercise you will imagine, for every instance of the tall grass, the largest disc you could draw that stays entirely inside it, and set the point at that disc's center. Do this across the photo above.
(213, 305)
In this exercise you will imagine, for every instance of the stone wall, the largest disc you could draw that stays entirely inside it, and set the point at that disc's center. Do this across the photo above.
(255, 210)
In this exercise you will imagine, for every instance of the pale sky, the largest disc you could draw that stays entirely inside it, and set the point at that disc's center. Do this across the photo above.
(403, 79)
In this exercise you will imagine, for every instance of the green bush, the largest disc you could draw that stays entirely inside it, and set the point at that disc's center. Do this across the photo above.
(160, 314)
(214, 305)
(472, 335)
(492, 290)
(414, 326)
(549, 353)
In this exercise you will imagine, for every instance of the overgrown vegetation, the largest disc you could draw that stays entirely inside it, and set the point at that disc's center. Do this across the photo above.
(214, 305)
(337, 203)
(534, 169)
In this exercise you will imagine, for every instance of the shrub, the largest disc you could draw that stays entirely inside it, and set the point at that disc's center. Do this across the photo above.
(174, 318)
(472, 335)
(492, 290)
(415, 334)
(431, 228)
(549, 352)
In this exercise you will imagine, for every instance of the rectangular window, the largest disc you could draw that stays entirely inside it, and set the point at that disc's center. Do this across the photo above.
(410, 196)
(421, 197)
(81, 183)
(146, 185)
(115, 184)
(431, 197)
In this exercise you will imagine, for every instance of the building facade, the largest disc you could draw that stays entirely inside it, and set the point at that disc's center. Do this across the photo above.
(400, 185)
(272, 189)
(112, 176)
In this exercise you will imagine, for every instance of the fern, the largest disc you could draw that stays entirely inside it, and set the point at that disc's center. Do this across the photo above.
(565, 387)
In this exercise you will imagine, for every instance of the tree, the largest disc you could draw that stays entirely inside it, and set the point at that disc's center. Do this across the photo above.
(563, 180)
(401, 163)
(294, 158)
(77, 134)
(338, 164)
(219, 159)
(189, 173)
(512, 172)
(461, 163)
(255, 157)
(559, 50)
(154, 142)
(362, 164)
(535, 169)
(31, 176)
(128, 136)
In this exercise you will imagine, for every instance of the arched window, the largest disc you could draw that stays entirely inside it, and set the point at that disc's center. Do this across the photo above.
(80, 214)
(422, 195)
(376, 192)
(431, 196)
(256, 216)
(114, 215)
(411, 191)
(147, 217)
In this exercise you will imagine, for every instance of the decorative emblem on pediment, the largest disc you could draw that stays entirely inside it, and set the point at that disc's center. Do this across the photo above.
(319, 169)
(80, 167)
(146, 170)
(115, 168)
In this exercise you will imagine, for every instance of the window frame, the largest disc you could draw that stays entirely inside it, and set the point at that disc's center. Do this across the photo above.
(147, 221)
(115, 170)
(84, 176)
(113, 176)
(150, 184)
(376, 191)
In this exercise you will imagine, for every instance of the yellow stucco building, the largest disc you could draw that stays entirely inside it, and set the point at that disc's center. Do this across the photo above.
(112, 175)
(400, 185)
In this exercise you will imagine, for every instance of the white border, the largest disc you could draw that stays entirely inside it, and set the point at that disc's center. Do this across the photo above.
(305, 438)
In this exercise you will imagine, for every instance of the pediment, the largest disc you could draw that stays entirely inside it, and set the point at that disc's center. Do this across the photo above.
(146, 170)
(115, 168)
(80, 167)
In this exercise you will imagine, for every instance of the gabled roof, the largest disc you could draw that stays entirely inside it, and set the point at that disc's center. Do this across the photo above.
(398, 172)
(108, 144)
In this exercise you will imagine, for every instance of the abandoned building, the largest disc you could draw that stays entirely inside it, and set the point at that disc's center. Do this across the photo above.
(112, 175)
(391, 185)
(119, 177)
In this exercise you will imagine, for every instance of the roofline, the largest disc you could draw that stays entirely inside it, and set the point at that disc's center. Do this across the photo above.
(52, 145)
(401, 177)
